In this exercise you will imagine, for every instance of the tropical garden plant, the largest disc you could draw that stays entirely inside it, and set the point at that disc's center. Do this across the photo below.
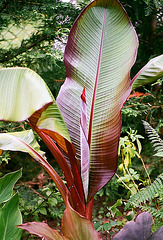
(82, 127)
(10, 215)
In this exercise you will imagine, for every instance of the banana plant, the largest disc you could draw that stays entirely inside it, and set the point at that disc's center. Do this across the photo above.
(82, 127)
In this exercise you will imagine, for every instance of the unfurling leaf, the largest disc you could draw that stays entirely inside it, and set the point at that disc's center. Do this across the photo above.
(85, 151)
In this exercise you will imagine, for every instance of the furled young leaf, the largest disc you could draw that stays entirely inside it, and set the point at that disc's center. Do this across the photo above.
(85, 151)
(7, 183)
(74, 226)
(141, 229)
(42, 230)
(99, 54)
(151, 72)
(10, 217)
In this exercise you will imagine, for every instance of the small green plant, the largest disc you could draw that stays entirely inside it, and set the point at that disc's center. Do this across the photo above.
(155, 139)
(150, 198)
(113, 210)
(129, 149)
(116, 219)
(46, 201)
(10, 215)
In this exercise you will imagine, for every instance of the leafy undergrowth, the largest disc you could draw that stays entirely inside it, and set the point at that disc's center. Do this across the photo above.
(41, 201)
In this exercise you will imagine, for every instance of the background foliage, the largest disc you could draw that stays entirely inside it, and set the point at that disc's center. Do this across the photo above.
(33, 34)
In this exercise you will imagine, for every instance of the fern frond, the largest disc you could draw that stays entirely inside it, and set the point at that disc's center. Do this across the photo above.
(155, 139)
(153, 211)
(146, 194)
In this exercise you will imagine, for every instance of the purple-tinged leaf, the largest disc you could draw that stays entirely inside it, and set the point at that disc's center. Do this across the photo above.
(74, 226)
(141, 229)
(42, 230)
(158, 235)
(85, 151)
(99, 54)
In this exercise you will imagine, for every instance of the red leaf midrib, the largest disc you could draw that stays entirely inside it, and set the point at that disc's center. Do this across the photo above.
(96, 82)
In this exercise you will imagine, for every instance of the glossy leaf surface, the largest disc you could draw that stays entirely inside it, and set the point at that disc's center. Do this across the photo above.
(100, 52)
(42, 230)
(7, 183)
(10, 217)
(151, 72)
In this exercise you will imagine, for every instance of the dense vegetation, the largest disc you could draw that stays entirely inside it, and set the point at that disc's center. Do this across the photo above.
(42, 51)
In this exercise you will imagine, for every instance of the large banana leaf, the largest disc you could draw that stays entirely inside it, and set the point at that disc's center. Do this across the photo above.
(99, 54)
(24, 95)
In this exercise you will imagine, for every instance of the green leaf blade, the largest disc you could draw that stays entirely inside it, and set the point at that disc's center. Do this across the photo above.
(25, 142)
(10, 217)
(22, 93)
(151, 72)
(21, 141)
(7, 183)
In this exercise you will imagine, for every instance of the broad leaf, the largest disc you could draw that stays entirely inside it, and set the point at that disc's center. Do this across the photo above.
(7, 183)
(22, 93)
(151, 72)
(74, 226)
(10, 217)
(141, 229)
(99, 54)
(23, 141)
(42, 230)
(27, 96)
